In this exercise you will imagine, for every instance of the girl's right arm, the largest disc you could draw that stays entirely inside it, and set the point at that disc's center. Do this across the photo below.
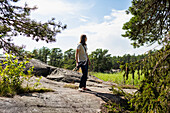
(77, 52)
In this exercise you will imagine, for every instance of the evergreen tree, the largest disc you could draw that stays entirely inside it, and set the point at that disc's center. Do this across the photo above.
(115, 62)
(35, 54)
(101, 60)
(56, 57)
(45, 53)
(14, 21)
(69, 59)
(150, 24)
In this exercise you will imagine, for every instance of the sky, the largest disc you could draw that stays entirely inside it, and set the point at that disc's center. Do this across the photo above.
(100, 20)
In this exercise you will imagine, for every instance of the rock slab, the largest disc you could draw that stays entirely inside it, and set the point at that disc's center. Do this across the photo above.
(62, 100)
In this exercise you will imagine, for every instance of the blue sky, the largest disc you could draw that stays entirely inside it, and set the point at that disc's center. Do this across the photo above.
(100, 20)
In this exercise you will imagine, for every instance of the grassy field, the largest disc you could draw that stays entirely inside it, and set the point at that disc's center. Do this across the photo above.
(118, 78)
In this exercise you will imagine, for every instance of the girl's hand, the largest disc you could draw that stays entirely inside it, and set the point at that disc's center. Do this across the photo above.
(77, 64)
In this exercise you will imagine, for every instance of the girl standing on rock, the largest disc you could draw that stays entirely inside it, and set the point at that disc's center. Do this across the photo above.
(82, 60)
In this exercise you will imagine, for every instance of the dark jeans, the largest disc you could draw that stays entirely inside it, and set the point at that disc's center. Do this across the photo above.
(84, 69)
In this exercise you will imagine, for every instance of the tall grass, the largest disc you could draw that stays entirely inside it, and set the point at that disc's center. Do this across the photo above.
(118, 78)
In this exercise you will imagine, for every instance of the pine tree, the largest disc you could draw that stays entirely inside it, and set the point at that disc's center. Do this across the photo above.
(14, 21)
(149, 24)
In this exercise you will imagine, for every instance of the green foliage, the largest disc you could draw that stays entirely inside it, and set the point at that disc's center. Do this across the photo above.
(52, 57)
(100, 60)
(116, 108)
(69, 59)
(12, 76)
(35, 54)
(56, 57)
(14, 21)
(43, 53)
(153, 94)
(122, 106)
(150, 24)
(36, 84)
(118, 92)
(127, 58)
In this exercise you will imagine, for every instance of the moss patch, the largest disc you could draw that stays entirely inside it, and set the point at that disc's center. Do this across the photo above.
(72, 86)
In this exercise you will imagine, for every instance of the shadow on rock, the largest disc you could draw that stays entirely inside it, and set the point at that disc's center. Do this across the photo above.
(107, 97)
(110, 99)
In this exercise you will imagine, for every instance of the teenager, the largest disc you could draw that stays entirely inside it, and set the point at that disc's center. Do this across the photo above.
(82, 60)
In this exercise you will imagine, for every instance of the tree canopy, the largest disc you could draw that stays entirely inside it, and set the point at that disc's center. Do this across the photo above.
(101, 60)
(150, 22)
(14, 21)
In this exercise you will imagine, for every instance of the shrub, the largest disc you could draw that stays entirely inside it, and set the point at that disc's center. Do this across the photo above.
(12, 75)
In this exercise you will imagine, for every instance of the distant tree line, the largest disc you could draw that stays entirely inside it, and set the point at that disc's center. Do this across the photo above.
(55, 57)
(100, 59)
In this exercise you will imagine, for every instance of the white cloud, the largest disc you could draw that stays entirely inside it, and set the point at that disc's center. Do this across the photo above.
(107, 17)
(84, 17)
(83, 20)
(56, 7)
(105, 35)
